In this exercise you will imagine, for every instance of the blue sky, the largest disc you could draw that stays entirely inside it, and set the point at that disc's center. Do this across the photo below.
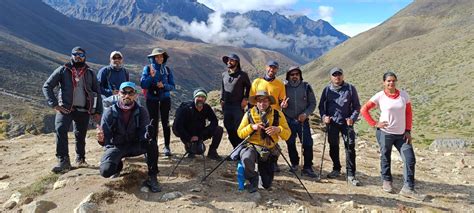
(348, 16)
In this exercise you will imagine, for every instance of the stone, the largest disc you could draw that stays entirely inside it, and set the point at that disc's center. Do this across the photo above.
(13, 201)
(350, 204)
(145, 189)
(301, 209)
(197, 189)
(331, 200)
(27, 200)
(3, 177)
(171, 196)
(60, 184)
(39, 206)
(376, 211)
(4, 185)
(450, 144)
(461, 164)
(87, 205)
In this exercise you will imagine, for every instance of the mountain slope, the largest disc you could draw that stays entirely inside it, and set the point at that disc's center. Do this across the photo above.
(35, 39)
(190, 20)
(430, 45)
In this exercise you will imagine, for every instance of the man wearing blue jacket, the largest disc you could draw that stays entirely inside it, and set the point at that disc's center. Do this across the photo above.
(78, 98)
(157, 79)
(125, 132)
(300, 103)
(339, 109)
(110, 77)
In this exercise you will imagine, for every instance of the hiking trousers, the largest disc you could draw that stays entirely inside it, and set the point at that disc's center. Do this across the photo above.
(160, 109)
(232, 117)
(348, 136)
(295, 127)
(386, 141)
(112, 158)
(249, 156)
(216, 140)
(80, 121)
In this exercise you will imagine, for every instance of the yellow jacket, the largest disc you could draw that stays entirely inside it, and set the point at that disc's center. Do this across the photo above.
(275, 88)
(245, 128)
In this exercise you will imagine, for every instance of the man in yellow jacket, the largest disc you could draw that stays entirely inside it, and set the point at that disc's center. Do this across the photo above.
(271, 84)
(265, 126)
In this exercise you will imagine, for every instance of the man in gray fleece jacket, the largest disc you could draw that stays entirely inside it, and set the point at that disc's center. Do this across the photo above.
(297, 107)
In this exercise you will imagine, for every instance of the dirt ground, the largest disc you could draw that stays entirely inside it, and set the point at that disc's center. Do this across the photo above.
(446, 178)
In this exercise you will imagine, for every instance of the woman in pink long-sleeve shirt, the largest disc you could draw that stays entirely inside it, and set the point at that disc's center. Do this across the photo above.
(393, 129)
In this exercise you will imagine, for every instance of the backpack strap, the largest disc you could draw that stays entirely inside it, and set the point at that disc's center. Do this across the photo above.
(136, 115)
(276, 117)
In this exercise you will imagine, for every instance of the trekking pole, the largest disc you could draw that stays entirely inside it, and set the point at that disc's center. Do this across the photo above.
(324, 149)
(278, 148)
(302, 148)
(225, 159)
(176, 166)
(204, 158)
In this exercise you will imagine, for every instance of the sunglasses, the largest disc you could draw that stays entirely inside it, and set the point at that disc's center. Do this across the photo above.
(294, 74)
(336, 74)
(117, 58)
(82, 55)
(131, 92)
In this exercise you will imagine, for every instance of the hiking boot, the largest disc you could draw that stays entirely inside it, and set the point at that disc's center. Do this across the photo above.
(387, 186)
(276, 168)
(253, 185)
(309, 172)
(152, 183)
(352, 180)
(411, 193)
(190, 156)
(214, 156)
(293, 168)
(334, 174)
(81, 162)
(167, 151)
(119, 169)
(64, 165)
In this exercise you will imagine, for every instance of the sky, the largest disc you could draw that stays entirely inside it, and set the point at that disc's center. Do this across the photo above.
(348, 16)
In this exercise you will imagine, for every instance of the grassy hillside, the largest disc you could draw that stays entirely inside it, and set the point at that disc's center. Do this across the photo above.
(430, 45)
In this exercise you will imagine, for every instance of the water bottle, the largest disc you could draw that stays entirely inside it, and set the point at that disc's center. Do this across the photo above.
(240, 176)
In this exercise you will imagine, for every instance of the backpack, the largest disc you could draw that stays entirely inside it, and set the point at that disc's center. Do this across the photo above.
(178, 114)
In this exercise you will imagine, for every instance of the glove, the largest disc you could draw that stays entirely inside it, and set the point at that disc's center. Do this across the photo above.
(150, 130)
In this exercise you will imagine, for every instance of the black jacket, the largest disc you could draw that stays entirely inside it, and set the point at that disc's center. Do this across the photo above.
(191, 122)
(235, 87)
(117, 133)
(62, 77)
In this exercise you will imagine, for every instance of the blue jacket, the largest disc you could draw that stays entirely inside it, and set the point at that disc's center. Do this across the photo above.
(62, 77)
(340, 104)
(117, 133)
(110, 79)
(149, 83)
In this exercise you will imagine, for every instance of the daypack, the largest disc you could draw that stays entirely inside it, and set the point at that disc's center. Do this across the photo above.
(144, 91)
(178, 114)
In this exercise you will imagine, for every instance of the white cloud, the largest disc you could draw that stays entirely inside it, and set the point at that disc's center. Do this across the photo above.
(325, 13)
(352, 29)
(241, 34)
(243, 6)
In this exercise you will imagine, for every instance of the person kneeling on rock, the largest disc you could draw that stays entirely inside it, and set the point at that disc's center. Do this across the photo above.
(126, 131)
(263, 126)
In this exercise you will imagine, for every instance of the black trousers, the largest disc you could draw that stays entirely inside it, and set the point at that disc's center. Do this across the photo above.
(216, 140)
(160, 110)
(80, 121)
(232, 117)
(348, 136)
(112, 159)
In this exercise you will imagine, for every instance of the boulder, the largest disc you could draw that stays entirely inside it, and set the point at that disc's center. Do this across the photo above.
(40, 206)
(450, 144)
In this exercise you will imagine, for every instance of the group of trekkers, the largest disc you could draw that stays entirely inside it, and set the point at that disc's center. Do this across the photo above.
(256, 116)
